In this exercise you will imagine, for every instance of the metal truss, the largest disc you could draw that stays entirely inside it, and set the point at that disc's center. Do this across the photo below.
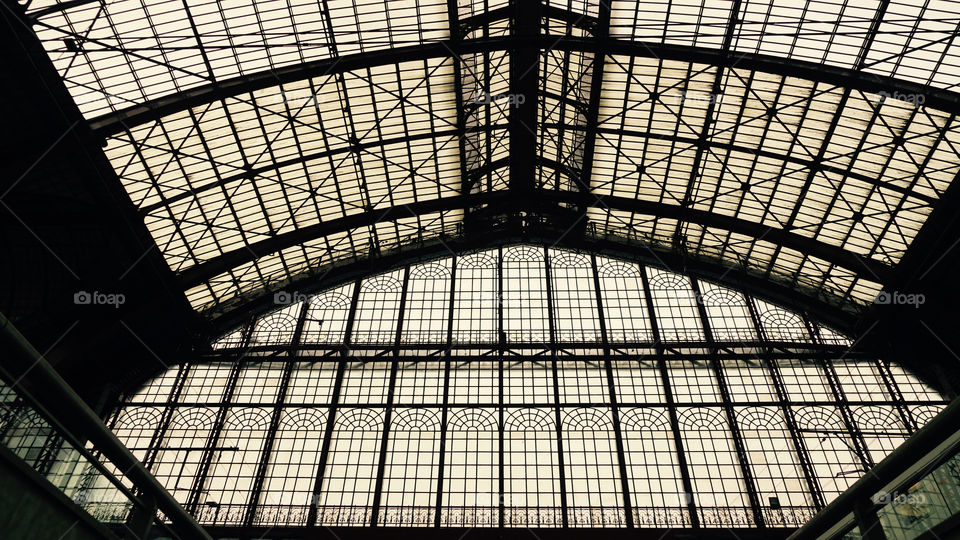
(833, 269)
(524, 158)
(839, 77)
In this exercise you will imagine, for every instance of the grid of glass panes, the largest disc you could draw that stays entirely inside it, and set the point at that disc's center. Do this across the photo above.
(499, 432)
(503, 295)
(480, 428)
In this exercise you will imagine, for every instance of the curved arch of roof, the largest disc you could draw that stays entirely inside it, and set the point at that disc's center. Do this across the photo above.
(802, 163)
(820, 307)
(864, 267)
(234, 40)
(858, 264)
(845, 78)
(726, 30)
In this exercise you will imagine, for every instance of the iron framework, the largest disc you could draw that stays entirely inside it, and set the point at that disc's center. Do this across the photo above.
(522, 386)
(262, 143)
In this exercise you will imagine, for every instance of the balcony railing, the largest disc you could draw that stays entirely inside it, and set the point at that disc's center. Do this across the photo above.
(47, 426)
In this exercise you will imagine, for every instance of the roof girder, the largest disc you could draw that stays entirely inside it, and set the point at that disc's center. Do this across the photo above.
(840, 77)
(238, 309)
(867, 268)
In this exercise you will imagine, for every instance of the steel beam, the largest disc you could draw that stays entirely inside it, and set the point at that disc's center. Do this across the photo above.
(602, 34)
(524, 81)
(708, 117)
(614, 399)
(750, 484)
(832, 75)
(867, 268)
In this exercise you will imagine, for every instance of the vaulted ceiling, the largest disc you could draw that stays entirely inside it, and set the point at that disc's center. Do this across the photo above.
(802, 144)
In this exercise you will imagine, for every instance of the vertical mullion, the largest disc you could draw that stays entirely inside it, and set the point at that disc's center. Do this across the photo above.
(671, 405)
(261, 472)
(384, 440)
(809, 473)
(388, 416)
(443, 441)
(345, 353)
(501, 510)
(556, 394)
(753, 492)
(897, 396)
(446, 393)
(614, 407)
(548, 277)
(501, 332)
(859, 444)
(560, 460)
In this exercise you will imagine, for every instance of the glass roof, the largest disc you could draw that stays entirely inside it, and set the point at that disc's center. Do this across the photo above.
(120, 53)
(652, 143)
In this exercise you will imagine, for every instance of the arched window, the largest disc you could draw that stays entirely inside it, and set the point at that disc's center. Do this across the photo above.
(524, 386)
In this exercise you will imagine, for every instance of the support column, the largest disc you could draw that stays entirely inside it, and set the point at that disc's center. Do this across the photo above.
(614, 407)
(671, 405)
(388, 416)
(744, 462)
(438, 507)
(345, 354)
(502, 495)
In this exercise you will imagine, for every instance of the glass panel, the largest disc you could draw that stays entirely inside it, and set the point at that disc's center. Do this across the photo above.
(477, 299)
(624, 301)
(653, 472)
(594, 495)
(574, 297)
(727, 312)
(410, 477)
(676, 306)
(378, 309)
(292, 470)
(427, 310)
(718, 487)
(525, 317)
(471, 480)
(348, 484)
(532, 497)
(327, 313)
